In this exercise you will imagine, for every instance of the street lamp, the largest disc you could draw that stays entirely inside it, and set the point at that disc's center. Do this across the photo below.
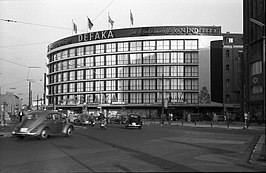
(1, 116)
(162, 99)
(30, 91)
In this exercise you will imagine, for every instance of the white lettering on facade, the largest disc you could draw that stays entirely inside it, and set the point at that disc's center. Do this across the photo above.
(103, 34)
(95, 36)
(110, 35)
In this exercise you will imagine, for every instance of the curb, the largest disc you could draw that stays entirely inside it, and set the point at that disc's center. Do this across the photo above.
(257, 156)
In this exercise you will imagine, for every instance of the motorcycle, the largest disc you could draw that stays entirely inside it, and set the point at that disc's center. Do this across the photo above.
(103, 124)
(91, 123)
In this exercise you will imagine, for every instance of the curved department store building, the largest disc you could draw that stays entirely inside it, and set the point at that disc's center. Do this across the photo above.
(132, 69)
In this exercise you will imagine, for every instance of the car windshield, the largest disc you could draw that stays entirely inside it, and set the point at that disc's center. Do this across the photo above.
(134, 116)
(32, 116)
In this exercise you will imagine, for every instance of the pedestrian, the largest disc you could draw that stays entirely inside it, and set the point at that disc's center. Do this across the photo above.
(248, 120)
(225, 116)
(21, 115)
(170, 118)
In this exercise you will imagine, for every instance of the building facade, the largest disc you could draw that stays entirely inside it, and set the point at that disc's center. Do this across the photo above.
(226, 79)
(132, 69)
(10, 105)
(254, 59)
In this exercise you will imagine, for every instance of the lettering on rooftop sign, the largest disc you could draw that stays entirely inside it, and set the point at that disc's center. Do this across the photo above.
(134, 32)
(95, 36)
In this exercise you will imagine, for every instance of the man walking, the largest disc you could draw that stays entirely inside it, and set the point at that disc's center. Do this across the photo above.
(21, 114)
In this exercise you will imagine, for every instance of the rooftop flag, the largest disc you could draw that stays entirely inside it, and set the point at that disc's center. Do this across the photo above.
(75, 28)
(110, 21)
(131, 18)
(90, 24)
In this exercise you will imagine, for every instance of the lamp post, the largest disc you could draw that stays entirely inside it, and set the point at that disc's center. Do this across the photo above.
(162, 99)
(30, 91)
(1, 116)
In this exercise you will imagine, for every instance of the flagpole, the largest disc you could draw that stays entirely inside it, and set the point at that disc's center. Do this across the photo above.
(72, 26)
(108, 21)
(88, 24)
(130, 18)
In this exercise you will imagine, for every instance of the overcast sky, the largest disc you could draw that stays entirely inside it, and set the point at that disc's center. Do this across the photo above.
(24, 44)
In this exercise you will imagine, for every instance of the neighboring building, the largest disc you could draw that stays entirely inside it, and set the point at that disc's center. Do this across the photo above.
(225, 72)
(10, 103)
(121, 70)
(254, 59)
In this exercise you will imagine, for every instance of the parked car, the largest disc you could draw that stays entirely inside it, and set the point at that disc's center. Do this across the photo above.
(72, 118)
(42, 124)
(133, 120)
(82, 119)
(119, 119)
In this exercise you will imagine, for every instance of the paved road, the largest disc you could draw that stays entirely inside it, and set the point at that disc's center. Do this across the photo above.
(153, 148)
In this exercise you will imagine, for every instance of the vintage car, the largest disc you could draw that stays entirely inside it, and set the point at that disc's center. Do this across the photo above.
(81, 119)
(133, 120)
(42, 124)
(119, 119)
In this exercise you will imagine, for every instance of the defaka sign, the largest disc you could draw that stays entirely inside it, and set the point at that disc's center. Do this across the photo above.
(136, 32)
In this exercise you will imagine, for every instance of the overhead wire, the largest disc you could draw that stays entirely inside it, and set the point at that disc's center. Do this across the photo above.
(14, 63)
(99, 14)
(29, 44)
(50, 26)
(36, 24)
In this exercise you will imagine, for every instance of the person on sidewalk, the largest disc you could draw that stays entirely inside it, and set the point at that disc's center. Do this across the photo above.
(21, 115)
(248, 120)
(170, 118)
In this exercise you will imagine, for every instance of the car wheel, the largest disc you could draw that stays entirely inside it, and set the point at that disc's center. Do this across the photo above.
(69, 131)
(44, 134)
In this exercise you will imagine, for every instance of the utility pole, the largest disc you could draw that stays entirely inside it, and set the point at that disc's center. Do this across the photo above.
(44, 89)
(162, 98)
(29, 95)
(37, 102)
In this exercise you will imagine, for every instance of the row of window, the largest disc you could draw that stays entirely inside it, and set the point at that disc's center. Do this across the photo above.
(125, 72)
(256, 68)
(125, 59)
(125, 47)
(131, 98)
(125, 85)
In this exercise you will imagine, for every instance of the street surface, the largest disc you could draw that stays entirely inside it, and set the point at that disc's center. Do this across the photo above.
(154, 148)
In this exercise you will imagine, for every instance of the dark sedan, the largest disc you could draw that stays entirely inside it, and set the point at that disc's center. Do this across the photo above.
(42, 124)
(133, 120)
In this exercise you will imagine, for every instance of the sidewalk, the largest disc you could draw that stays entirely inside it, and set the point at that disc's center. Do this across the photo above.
(234, 125)
(208, 124)
(6, 129)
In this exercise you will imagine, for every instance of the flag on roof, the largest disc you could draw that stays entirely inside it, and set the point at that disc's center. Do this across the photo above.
(75, 28)
(131, 18)
(110, 21)
(90, 24)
